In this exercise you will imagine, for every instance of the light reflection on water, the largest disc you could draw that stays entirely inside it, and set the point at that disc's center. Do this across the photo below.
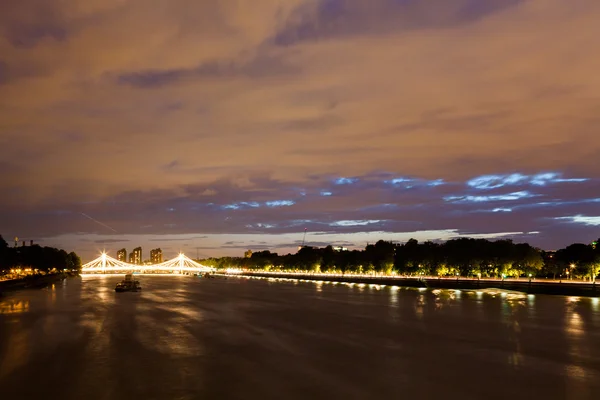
(578, 347)
(13, 306)
(183, 337)
(393, 297)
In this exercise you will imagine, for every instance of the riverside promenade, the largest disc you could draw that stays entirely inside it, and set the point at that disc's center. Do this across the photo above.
(31, 282)
(525, 285)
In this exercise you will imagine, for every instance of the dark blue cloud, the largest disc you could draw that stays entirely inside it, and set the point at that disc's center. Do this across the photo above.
(27, 36)
(153, 78)
(514, 202)
(334, 18)
(262, 66)
(110, 241)
(170, 239)
(518, 179)
(241, 205)
(27, 23)
(345, 181)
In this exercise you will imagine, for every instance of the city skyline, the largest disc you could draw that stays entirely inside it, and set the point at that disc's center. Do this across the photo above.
(214, 127)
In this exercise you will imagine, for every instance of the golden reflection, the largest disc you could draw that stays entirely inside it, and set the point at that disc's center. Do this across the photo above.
(575, 371)
(443, 298)
(573, 318)
(576, 382)
(531, 299)
(575, 324)
(104, 296)
(14, 306)
(171, 338)
(511, 304)
(578, 350)
(394, 298)
(53, 294)
(420, 306)
(91, 321)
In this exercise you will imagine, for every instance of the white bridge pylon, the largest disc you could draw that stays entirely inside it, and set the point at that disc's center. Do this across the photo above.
(107, 264)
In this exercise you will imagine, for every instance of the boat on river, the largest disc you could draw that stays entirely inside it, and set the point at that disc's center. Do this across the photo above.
(128, 285)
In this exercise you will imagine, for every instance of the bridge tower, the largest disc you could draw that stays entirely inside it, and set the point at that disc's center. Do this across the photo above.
(103, 264)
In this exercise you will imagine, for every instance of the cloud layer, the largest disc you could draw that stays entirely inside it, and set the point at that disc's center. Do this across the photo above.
(266, 117)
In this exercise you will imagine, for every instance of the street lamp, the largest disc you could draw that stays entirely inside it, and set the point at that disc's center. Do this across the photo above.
(572, 266)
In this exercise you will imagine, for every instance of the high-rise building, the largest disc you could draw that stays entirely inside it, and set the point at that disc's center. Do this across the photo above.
(137, 256)
(122, 255)
(156, 256)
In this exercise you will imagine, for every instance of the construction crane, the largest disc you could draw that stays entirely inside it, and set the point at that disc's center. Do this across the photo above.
(303, 240)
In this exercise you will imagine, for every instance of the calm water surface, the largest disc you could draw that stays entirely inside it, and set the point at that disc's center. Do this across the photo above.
(189, 338)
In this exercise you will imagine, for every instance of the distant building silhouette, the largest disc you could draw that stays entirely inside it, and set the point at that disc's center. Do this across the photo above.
(136, 256)
(156, 256)
(122, 255)
(248, 254)
(340, 248)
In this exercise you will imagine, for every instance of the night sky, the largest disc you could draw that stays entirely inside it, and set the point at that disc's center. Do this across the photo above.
(214, 127)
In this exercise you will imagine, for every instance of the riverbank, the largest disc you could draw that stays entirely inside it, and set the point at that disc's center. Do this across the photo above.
(564, 288)
(31, 282)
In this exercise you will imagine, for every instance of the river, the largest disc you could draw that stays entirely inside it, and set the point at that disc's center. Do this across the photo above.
(189, 338)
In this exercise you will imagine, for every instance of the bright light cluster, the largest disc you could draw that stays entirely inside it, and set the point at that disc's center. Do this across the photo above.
(181, 263)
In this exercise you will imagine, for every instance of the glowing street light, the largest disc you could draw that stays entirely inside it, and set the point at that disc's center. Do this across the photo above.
(572, 267)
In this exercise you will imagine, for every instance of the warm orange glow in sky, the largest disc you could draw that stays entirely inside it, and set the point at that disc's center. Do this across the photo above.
(232, 122)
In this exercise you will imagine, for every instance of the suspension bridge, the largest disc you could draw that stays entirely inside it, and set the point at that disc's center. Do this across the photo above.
(181, 264)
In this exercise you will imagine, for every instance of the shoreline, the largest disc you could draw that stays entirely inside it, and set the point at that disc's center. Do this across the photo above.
(526, 286)
(31, 282)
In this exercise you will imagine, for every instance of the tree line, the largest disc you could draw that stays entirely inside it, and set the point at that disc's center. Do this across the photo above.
(458, 257)
(36, 257)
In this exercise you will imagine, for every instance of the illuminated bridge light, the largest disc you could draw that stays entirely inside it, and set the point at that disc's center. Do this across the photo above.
(104, 263)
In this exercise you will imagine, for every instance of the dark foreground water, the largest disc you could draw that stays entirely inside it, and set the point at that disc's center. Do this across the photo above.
(189, 338)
